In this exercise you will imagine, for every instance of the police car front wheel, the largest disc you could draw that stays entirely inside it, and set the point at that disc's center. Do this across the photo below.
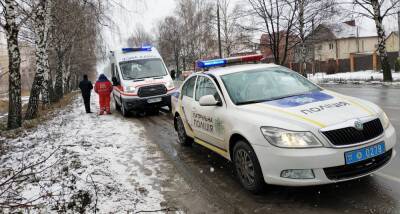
(180, 128)
(247, 167)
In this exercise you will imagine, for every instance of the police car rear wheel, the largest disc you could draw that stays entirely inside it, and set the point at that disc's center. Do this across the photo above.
(247, 167)
(180, 128)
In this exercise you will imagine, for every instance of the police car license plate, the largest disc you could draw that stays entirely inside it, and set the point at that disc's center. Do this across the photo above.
(154, 100)
(364, 153)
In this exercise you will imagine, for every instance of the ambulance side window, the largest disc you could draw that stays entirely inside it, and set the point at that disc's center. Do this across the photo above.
(188, 88)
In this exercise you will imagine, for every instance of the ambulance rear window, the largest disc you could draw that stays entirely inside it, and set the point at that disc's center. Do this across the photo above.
(142, 68)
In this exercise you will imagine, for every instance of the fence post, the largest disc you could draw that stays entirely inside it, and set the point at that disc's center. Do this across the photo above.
(374, 61)
(352, 62)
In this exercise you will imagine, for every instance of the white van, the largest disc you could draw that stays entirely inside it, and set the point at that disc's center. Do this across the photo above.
(141, 80)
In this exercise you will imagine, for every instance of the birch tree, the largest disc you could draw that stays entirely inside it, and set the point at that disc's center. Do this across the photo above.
(40, 85)
(378, 10)
(16, 13)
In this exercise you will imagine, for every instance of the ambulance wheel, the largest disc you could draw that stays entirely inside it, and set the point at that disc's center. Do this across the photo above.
(180, 128)
(247, 167)
(117, 107)
(124, 112)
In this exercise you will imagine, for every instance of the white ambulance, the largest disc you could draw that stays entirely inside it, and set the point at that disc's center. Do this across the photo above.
(141, 80)
(279, 128)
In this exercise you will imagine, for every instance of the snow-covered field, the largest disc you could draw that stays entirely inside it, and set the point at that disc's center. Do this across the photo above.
(80, 162)
(358, 76)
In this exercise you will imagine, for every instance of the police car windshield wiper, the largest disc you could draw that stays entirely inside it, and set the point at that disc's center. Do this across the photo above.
(291, 95)
(252, 101)
(270, 99)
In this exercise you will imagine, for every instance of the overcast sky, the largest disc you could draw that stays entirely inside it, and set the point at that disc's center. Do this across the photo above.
(127, 13)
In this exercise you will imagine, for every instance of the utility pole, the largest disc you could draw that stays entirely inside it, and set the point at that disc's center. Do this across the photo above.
(398, 29)
(219, 32)
(313, 46)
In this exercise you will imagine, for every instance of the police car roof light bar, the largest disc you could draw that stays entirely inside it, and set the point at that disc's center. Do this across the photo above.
(211, 63)
(227, 61)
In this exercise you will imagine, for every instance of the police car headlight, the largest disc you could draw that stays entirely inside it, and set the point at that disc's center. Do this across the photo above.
(169, 85)
(384, 120)
(130, 89)
(290, 139)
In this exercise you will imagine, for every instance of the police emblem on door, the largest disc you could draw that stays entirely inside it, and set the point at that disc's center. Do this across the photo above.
(358, 125)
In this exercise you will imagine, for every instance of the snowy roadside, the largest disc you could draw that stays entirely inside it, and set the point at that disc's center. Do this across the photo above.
(358, 77)
(92, 162)
(24, 99)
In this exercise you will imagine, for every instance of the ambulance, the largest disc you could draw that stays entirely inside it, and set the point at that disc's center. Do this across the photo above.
(279, 128)
(141, 80)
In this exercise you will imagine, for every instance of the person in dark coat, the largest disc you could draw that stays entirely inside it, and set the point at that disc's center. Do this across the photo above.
(173, 74)
(86, 88)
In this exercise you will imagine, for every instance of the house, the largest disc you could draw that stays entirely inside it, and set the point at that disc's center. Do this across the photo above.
(339, 40)
(392, 42)
(267, 52)
(341, 47)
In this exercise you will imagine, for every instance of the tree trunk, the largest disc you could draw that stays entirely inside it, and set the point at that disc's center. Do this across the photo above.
(67, 74)
(11, 28)
(47, 89)
(40, 52)
(58, 88)
(383, 56)
(302, 38)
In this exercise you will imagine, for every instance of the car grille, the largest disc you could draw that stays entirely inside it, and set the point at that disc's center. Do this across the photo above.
(152, 90)
(350, 135)
(358, 169)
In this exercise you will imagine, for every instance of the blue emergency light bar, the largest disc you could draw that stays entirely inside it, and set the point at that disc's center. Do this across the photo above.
(143, 48)
(232, 60)
(211, 63)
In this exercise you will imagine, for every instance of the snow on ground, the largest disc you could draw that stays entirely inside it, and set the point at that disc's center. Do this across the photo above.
(24, 99)
(358, 76)
(94, 162)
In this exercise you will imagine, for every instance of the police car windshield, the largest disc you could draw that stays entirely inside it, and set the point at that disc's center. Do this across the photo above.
(261, 85)
(142, 68)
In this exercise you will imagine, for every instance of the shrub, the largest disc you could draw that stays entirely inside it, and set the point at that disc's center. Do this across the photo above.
(397, 65)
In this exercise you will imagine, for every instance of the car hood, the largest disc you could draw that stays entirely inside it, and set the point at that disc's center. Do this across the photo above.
(320, 109)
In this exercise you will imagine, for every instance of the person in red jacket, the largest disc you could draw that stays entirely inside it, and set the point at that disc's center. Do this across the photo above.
(104, 88)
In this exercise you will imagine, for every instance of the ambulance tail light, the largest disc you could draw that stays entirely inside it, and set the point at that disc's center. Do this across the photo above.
(228, 61)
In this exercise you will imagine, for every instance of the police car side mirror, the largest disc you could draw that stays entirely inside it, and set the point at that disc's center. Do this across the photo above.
(208, 100)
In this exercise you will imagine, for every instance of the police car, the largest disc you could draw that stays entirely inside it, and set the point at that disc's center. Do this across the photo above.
(141, 80)
(279, 128)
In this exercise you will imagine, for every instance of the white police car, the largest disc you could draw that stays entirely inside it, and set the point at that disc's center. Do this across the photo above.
(279, 128)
